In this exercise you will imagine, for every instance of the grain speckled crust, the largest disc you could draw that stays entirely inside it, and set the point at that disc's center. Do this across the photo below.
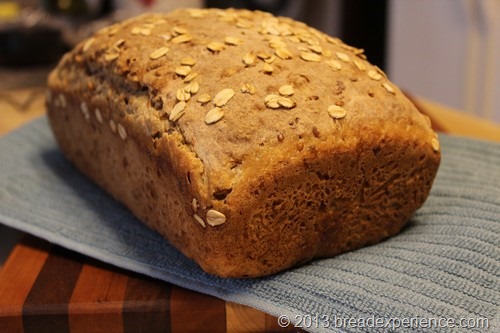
(252, 143)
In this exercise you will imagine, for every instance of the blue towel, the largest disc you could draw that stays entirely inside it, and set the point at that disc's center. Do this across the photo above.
(442, 270)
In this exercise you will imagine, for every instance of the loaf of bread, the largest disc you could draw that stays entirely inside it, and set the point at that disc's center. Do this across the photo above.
(252, 143)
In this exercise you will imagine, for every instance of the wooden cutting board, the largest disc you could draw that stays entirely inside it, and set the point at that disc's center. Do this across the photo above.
(45, 288)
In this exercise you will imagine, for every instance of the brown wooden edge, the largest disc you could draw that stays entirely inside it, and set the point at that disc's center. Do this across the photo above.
(45, 288)
(17, 277)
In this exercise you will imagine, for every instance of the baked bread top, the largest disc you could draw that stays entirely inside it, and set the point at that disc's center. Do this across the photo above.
(238, 92)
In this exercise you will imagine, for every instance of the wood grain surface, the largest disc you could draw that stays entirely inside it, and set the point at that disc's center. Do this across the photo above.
(45, 288)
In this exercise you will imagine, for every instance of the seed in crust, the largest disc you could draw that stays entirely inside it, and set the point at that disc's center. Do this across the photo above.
(215, 46)
(85, 111)
(198, 219)
(190, 76)
(182, 39)
(204, 98)
(214, 115)
(268, 69)
(310, 56)
(177, 111)
(98, 115)
(263, 55)
(192, 88)
(271, 101)
(336, 112)
(62, 100)
(112, 125)
(283, 53)
(248, 88)
(286, 90)
(145, 31)
(188, 61)
(249, 59)
(286, 102)
(122, 132)
(157, 54)
(111, 55)
(179, 30)
(244, 24)
(215, 218)
(88, 44)
(334, 64)
(435, 144)
(361, 66)
(374, 75)
(233, 41)
(342, 56)
(182, 95)
(316, 49)
(182, 70)
(388, 87)
(119, 43)
(223, 97)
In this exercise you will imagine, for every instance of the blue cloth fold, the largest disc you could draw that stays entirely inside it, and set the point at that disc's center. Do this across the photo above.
(444, 264)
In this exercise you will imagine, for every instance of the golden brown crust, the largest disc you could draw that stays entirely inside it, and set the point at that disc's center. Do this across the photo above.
(252, 143)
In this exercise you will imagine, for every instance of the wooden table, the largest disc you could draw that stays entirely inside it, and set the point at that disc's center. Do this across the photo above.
(45, 288)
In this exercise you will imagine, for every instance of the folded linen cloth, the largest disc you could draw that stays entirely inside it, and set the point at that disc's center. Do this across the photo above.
(443, 265)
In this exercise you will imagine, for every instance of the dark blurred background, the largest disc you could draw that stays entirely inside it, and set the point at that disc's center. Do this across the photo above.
(35, 33)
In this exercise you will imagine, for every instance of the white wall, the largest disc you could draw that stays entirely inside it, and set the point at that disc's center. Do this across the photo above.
(448, 51)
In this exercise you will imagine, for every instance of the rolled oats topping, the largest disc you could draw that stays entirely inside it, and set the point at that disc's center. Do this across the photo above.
(158, 53)
(248, 88)
(286, 102)
(283, 53)
(216, 46)
(85, 110)
(177, 111)
(183, 70)
(182, 39)
(88, 44)
(192, 87)
(188, 61)
(310, 56)
(215, 218)
(336, 112)
(122, 132)
(198, 219)
(191, 76)
(374, 75)
(112, 125)
(233, 41)
(435, 144)
(388, 87)
(214, 115)
(271, 101)
(334, 64)
(268, 69)
(286, 90)
(98, 116)
(204, 98)
(342, 56)
(223, 97)
(249, 59)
